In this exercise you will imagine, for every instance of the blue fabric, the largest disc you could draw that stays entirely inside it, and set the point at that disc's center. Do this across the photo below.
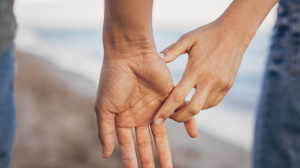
(7, 106)
(277, 132)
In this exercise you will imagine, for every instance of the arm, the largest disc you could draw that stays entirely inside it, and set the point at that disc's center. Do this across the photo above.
(215, 53)
(134, 83)
(127, 26)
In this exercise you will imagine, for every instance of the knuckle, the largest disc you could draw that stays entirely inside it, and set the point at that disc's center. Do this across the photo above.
(176, 119)
(197, 73)
(222, 82)
(148, 162)
(206, 106)
(207, 78)
(125, 144)
(96, 108)
(109, 145)
(179, 96)
(127, 159)
(198, 70)
(161, 134)
(179, 120)
(184, 37)
(167, 112)
(194, 110)
(229, 85)
(172, 49)
(217, 78)
(147, 143)
(100, 138)
(213, 104)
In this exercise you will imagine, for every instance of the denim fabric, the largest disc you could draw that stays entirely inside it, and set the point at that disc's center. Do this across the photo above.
(277, 132)
(7, 106)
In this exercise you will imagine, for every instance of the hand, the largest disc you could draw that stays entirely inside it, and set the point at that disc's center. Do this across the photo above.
(132, 87)
(214, 55)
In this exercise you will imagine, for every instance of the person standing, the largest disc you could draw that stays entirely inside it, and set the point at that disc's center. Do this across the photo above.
(277, 133)
(7, 75)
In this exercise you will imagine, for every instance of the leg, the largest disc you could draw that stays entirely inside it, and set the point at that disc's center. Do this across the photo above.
(277, 133)
(7, 105)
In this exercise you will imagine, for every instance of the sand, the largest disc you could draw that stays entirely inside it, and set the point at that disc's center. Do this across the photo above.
(57, 126)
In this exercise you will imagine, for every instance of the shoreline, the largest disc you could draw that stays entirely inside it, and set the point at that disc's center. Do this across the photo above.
(57, 125)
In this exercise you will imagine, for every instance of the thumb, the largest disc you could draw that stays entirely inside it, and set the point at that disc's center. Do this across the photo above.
(181, 46)
(106, 131)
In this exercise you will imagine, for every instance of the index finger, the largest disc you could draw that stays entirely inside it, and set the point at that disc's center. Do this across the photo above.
(175, 99)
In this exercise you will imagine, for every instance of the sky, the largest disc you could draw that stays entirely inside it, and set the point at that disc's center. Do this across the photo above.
(175, 14)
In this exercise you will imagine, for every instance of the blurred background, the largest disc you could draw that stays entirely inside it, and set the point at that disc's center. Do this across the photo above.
(59, 54)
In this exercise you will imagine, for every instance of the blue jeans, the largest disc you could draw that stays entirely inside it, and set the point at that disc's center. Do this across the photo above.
(7, 105)
(277, 133)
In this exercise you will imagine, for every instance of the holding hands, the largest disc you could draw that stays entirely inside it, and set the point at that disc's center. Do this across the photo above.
(134, 83)
(136, 88)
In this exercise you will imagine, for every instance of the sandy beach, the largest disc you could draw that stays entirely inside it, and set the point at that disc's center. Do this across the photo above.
(57, 126)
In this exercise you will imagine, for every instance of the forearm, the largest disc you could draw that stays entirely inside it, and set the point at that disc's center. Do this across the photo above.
(245, 16)
(127, 24)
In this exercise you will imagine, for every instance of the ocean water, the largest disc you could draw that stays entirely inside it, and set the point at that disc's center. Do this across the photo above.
(80, 51)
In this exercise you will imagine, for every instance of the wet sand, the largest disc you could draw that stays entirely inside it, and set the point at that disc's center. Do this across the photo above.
(57, 126)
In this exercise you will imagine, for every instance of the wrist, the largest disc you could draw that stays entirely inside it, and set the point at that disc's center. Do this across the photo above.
(122, 43)
(114, 31)
(124, 48)
(243, 17)
(127, 41)
(238, 32)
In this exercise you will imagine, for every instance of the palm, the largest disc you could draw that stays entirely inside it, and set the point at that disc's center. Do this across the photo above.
(134, 92)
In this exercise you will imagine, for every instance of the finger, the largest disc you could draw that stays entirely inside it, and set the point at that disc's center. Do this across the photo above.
(221, 95)
(162, 145)
(176, 98)
(181, 105)
(191, 127)
(218, 99)
(211, 97)
(144, 143)
(106, 131)
(192, 108)
(126, 143)
(180, 47)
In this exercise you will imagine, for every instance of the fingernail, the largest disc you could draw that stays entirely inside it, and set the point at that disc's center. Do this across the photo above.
(158, 121)
(162, 55)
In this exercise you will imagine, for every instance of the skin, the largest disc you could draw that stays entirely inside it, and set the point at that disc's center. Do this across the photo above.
(215, 52)
(134, 83)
